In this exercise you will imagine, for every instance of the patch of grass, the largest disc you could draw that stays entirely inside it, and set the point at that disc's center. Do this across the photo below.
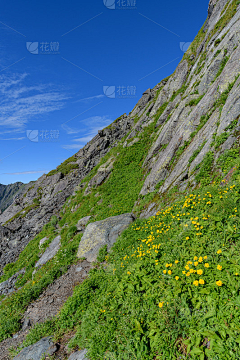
(179, 91)
(194, 102)
(221, 139)
(228, 12)
(102, 254)
(222, 66)
(65, 168)
(228, 160)
(196, 152)
(204, 175)
(217, 52)
(160, 111)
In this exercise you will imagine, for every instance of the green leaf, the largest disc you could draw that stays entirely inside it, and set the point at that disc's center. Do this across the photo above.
(196, 351)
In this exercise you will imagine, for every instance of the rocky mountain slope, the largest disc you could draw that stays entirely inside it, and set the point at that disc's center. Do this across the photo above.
(181, 138)
(8, 192)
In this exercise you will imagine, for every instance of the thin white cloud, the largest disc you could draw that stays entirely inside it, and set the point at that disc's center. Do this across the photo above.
(90, 129)
(91, 98)
(20, 103)
(28, 172)
(20, 138)
(73, 146)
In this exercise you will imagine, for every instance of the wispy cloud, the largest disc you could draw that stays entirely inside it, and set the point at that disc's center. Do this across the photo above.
(27, 172)
(15, 139)
(91, 98)
(20, 103)
(89, 129)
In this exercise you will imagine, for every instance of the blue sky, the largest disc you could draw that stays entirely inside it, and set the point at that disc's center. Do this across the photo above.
(60, 62)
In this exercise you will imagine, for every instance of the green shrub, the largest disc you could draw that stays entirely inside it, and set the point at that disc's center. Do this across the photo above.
(102, 254)
(205, 168)
(71, 232)
(65, 167)
(54, 220)
(196, 152)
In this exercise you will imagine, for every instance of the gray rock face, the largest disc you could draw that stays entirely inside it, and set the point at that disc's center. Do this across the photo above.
(102, 173)
(79, 355)
(100, 233)
(36, 351)
(50, 252)
(8, 286)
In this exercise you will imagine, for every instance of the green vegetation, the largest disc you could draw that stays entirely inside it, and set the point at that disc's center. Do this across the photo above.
(65, 167)
(54, 220)
(171, 284)
(221, 139)
(204, 176)
(217, 52)
(179, 91)
(228, 12)
(222, 66)
(194, 102)
(217, 42)
(196, 152)
(102, 254)
(160, 111)
(178, 153)
(13, 307)
(228, 160)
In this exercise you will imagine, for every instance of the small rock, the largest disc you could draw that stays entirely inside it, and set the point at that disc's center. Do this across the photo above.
(42, 241)
(82, 223)
(79, 355)
(78, 269)
(26, 324)
(35, 352)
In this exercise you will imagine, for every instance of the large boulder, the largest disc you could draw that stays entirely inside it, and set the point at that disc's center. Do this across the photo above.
(50, 252)
(36, 351)
(79, 355)
(100, 233)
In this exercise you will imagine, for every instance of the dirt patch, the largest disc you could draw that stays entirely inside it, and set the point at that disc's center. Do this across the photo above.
(47, 306)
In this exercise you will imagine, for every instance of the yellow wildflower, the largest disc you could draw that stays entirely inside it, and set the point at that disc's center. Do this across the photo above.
(219, 283)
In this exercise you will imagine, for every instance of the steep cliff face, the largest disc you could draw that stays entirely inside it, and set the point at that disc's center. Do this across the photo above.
(8, 193)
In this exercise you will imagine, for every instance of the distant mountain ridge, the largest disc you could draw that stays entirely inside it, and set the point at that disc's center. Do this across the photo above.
(8, 192)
